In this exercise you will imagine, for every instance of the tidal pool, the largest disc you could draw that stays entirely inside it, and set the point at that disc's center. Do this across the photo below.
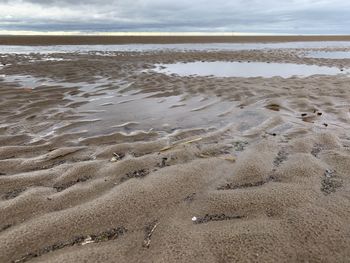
(13, 49)
(247, 69)
(107, 106)
(329, 54)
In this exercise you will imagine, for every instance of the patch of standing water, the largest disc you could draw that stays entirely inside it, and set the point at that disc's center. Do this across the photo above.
(117, 109)
(164, 114)
(246, 69)
(28, 81)
(12, 49)
(329, 54)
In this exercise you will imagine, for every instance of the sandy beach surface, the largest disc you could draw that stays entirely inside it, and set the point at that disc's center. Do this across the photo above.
(105, 159)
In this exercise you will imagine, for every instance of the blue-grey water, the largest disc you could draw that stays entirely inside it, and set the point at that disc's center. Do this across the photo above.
(246, 69)
(177, 47)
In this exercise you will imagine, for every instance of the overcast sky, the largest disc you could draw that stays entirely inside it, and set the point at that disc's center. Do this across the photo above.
(257, 16)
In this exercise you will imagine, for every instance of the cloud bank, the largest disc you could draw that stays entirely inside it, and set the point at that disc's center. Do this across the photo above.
(269, 16)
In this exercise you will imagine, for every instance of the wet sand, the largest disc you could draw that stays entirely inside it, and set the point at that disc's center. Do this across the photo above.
(102, 159)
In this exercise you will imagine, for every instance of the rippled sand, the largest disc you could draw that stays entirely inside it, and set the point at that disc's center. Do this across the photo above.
(104, 160)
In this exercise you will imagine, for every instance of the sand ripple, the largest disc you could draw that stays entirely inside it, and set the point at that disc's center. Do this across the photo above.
(256, 172)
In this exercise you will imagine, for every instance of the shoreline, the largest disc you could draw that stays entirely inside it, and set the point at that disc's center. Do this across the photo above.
(114, 40)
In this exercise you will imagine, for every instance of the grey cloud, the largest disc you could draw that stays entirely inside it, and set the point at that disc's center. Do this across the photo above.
(296, 16)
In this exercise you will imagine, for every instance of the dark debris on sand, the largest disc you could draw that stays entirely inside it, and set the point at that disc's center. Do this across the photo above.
(64, 186)
(316, 149)
(13, 193)
(135, 174)
(190, 198)
(280, 158)
(107, 235)
(240, 146)
(3, 228)
(273, 107)
(149, 229)
(330, 182)
(117, 157)
(215, 217)
(163, 163)
(233, 186)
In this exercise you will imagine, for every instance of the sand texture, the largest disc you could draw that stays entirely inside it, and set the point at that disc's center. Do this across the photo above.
(104, 160)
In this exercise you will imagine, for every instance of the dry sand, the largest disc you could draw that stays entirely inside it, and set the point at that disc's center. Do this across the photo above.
(90, 173)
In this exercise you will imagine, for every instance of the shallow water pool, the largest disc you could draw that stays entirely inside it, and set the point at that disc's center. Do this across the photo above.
(247, 69)
(13, 49)
(329, 54)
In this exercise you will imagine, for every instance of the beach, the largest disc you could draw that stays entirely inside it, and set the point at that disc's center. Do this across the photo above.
(106, 158)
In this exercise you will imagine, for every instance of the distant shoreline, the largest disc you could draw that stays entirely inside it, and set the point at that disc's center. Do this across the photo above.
(114, 40)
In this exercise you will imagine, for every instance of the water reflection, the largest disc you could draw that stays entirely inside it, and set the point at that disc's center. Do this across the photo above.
(177, 47)
(329, 54)
(246, 69)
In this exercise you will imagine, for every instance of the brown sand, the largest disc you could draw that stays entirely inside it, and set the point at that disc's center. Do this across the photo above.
(85, 180)
(94, 40)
